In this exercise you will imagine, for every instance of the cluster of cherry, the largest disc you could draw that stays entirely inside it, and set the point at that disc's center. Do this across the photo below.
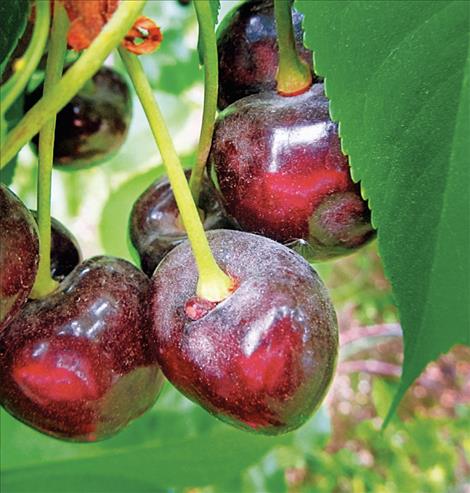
(80, 363)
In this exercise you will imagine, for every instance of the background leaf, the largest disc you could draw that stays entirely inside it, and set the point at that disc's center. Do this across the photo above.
(175, 462)
(215, 7)
(397, 75)
(14, 16)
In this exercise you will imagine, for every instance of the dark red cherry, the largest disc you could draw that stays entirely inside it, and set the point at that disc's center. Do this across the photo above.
(19, 254)
(77, 364)
(262, 359)
(65, 250)
(155, 226)
(93, 125)
(248, 53)
(279, 166)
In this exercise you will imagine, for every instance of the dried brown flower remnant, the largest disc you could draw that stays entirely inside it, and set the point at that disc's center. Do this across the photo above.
(89, 17)
(149, 34)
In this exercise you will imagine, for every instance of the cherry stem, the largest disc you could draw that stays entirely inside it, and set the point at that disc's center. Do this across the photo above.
(27, 64)
(293, 75)
(44, 284)
(83, 69)
(213, 284)
(211, 87)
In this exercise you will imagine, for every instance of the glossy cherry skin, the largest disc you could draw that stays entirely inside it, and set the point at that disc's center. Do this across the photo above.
(77, 365)
(65, 250)
(279, 166)
(92, 127)
(19, 254)
(248, 53)
(262, 359)
(155, 226)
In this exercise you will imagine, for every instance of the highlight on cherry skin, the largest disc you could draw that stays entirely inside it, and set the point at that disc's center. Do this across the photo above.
(155, 226)
(263, 358)
(278, 163)
(70, 362)
(93, 125)
(65, 250)
(248, 52)
(19, 254)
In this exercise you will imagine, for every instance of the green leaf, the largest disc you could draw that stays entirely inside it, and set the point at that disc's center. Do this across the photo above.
(14, 16)
(215, 7)
(397, 75)
(214, 457)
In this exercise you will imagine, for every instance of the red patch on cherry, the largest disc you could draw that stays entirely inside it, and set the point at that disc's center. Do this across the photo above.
(70, 362)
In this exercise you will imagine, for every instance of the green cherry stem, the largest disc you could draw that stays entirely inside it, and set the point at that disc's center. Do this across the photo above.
(44, 284)
(294, 75)
(82, 70)
(211, 87)
(213, 284)
(28, 63)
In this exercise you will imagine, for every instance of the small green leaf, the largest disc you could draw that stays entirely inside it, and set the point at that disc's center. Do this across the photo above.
(397, 75)
(215, 7)
(14, 16)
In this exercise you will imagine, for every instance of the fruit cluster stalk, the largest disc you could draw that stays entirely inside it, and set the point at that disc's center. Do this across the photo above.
(44, 283)
(213, 283)
(211, 86)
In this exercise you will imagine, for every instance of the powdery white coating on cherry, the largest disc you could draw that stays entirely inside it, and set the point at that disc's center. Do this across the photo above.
(278, 163)
(77, 364)
(19, 255)
(263, 358)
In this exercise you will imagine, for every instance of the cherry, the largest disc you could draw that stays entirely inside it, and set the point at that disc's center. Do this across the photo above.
(155, 225)
(279, 166)
(263, 358)
(94, 124)
(65, 250)
(77, 364)
(19, 255)
(248, 53)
